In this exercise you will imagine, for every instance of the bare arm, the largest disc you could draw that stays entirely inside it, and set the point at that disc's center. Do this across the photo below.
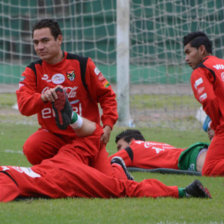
(87, 128)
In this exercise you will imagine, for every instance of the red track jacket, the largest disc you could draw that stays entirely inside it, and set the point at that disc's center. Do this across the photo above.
(40, 76)
(207, 82)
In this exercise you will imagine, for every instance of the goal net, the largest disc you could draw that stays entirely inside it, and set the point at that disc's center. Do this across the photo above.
(160, 93)
(88, 29)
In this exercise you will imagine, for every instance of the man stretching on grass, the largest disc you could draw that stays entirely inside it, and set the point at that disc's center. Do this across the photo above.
(86, 88)
(136, 152)
(68, 173)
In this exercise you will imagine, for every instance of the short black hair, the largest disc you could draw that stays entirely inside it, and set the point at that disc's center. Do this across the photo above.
(196, 39)
(129, 134)
(48, 23)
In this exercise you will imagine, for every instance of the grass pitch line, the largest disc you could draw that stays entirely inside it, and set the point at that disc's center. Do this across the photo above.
(13, 151)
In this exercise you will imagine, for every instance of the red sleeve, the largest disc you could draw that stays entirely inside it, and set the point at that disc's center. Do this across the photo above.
(28, 99)
(101, 91)
(124, 155)
(202, 85)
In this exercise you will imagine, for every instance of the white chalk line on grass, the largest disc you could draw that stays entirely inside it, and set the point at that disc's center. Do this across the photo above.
(13, 151)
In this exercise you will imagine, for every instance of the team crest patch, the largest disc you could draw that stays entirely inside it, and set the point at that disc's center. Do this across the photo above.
(97, 71)
(198, 82)
(58, 78)
(71, 75)
(203, 97)
(106, 84)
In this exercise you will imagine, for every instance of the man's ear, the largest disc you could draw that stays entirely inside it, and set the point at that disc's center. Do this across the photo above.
(60, 38)
(202, 50)
(131, 140)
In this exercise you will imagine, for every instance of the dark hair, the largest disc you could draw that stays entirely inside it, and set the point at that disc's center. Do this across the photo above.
(196, 39)
(129, 134)
(48, 23)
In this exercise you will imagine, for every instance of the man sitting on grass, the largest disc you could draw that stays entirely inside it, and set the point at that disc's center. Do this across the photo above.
(69, 174)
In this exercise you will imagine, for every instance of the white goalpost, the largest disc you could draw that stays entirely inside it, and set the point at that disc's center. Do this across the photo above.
(122, 59)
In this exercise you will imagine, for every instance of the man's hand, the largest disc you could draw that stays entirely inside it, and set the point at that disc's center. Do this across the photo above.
(211, 133)
(62, 109)
(106, 134)
(50, 95)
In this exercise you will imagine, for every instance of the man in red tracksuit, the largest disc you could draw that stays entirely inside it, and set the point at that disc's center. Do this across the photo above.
(136, 152)
(207, 81)
(85, 86)
(68, 173)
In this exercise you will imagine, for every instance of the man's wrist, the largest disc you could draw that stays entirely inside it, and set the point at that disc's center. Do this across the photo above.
(76, 121)
(108, 127)
(43, 98)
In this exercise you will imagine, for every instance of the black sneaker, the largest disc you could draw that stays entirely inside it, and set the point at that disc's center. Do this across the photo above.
(118, 160)
(62, 109)
(196, 189)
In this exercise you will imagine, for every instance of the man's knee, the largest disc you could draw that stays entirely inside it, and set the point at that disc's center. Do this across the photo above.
(41, 145)
(30, 150)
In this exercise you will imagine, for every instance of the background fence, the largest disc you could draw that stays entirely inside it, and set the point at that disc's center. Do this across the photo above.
(160, 92)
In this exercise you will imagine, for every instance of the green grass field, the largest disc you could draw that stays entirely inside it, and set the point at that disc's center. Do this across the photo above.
(14, 129)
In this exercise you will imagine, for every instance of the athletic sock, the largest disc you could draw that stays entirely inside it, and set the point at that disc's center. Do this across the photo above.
(76, 121)
(182, 192)
(74, 117)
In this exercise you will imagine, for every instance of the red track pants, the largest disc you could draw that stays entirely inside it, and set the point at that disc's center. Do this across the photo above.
(68, 174)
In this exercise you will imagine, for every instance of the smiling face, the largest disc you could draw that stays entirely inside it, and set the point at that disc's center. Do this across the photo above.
(46, 46)
(194, 56)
